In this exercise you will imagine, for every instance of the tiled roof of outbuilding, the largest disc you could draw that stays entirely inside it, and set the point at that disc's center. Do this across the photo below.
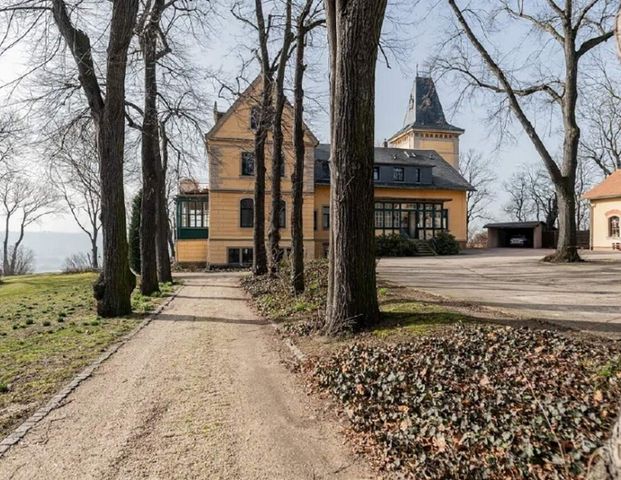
(609, 188)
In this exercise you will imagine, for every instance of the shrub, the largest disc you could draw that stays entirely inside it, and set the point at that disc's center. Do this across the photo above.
(78, 263)
(394, 245)
(4, 388)
(445, 244)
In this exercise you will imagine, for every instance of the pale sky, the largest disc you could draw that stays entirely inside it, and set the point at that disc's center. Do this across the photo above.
(392, 91)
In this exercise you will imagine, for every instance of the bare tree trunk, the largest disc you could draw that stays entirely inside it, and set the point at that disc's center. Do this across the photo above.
(94, 253)
(353, 300)
(164, 273)
(259, 265)
(150, 148)
(5, 245)
(297, 179)
(259, 260)
(116, 281)
(277, 153)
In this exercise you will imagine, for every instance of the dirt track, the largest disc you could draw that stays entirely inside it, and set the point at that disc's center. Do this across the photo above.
(200, 393)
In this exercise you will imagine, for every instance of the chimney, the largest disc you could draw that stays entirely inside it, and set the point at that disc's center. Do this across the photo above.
(216, 113)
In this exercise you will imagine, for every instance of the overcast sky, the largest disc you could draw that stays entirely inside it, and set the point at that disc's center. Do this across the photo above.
(393, 86)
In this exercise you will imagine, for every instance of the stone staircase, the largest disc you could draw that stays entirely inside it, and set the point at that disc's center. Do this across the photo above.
(423, 248)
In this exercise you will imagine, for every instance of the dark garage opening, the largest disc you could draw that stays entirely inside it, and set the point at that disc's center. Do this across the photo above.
(531, 235)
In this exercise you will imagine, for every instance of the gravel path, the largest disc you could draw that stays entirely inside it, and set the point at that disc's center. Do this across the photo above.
(200, 393)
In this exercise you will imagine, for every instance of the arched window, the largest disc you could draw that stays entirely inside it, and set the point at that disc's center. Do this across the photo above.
(246, 213)
(613, 227)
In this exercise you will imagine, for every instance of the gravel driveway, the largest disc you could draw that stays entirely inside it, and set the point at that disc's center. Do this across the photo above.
(200, 393)
(586, 296)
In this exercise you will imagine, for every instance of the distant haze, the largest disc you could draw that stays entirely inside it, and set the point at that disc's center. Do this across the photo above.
(52, 248)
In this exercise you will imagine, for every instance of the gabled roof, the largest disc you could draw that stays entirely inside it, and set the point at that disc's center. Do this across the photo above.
(425, 110)
(444, 175)
(251, 90)
(609, 188)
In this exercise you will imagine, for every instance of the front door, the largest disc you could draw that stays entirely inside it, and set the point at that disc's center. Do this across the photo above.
(413, 225)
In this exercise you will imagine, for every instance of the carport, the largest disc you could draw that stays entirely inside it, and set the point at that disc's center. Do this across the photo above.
(537, 234)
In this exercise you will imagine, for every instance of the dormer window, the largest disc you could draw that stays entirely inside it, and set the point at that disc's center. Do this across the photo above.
(398, 174)
(255, 116)
(376, 173)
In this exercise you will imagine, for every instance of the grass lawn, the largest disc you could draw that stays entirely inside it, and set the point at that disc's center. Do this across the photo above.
(48, 332)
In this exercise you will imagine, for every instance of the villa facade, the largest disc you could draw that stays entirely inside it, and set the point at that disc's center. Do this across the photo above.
(418, 189)
(605, 201)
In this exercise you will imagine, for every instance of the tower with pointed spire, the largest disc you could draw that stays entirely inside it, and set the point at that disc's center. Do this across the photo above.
(425, 126)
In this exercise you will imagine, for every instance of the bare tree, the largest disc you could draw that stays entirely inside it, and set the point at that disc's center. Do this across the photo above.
(575, 28)
(352, 295)
(265, 114)
(23, 203)
(74, 171)
(601, 116)
(477, 171)
(149, 31)
(309, 18)
(277, 142)
(113, 288)
(532, 196)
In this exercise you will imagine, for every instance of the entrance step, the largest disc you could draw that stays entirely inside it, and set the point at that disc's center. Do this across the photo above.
(423, 248)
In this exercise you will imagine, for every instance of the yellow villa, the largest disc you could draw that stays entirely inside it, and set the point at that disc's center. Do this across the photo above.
(605, 200)
(418, 189)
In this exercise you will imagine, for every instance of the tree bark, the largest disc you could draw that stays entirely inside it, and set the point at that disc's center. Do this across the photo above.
(259, 260)
(116, 282)
(164, 272)
(297, 178)
(353, 301)
(94, 253)
(150, 148)
(277, 152)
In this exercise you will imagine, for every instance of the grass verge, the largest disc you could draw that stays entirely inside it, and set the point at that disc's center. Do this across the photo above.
(48, 332)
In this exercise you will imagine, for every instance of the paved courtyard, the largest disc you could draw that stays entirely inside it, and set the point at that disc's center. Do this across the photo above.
(585, 296)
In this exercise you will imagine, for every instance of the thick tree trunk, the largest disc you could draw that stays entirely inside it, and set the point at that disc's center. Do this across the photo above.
(353, 302)
(566, 248)
(116, 282)
(150, 148)
(259, 261)
(297, 179)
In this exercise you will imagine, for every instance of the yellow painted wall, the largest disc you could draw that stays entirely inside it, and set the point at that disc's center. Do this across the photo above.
(455, 203)
(225, 230)
(445, 143)
(232, 136)
(601, 211)
(191, 251)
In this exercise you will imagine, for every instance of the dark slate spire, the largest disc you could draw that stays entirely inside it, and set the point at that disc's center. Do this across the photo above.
(424, 107)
